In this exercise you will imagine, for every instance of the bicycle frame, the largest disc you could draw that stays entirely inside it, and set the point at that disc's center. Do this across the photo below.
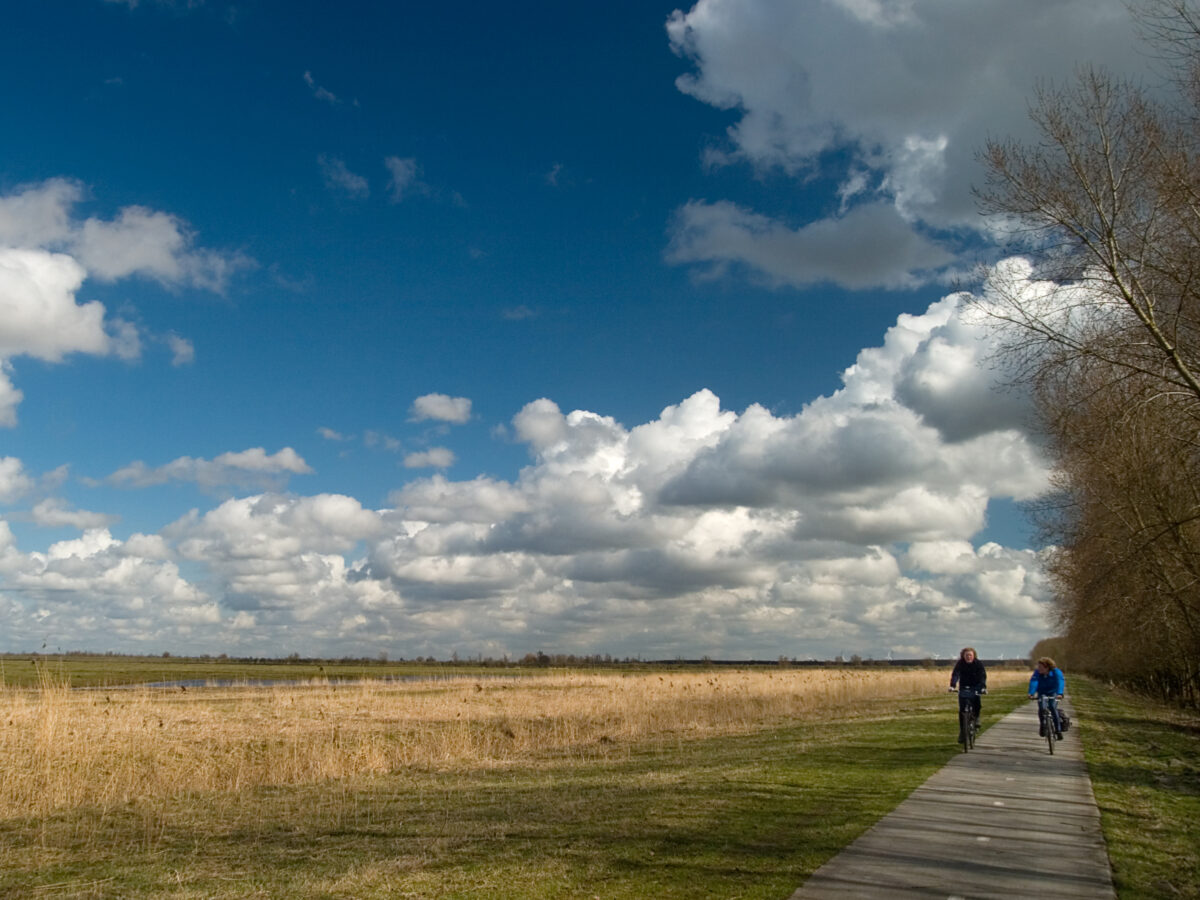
(968, 722)
(1047, 719)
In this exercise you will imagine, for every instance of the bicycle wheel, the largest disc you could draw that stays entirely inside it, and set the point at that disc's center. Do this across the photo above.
(972, 727)
(1048, 720)
(964, 728)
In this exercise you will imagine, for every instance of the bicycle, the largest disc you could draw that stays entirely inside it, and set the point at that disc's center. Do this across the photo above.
(968, 721)
(1048, 723)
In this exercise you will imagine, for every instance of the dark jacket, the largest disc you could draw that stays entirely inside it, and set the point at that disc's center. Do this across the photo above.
(969, 675)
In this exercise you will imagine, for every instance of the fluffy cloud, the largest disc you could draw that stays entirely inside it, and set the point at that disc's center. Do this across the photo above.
(280, 559)
(38, 313)
(275, 526)
(849, 524)
(52, 513)
(849, 527)
(102, 592)
(441, 408)
(253, 466)
(138, 241)
(892, 99)
(47, 253)
(40, 215)
(10, 397)
(141, 241)
(13, 481)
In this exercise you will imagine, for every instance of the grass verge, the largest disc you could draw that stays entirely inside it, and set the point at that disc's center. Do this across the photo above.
(748, 816)
(1144, 761)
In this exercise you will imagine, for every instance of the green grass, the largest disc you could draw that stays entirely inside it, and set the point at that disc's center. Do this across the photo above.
(747, 817)
(1144, 761)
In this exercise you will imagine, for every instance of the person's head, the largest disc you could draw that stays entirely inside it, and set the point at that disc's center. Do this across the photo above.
(1045, 664)
(967, 654)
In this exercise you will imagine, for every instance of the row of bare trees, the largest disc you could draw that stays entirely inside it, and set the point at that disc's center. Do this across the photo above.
(1106, 204)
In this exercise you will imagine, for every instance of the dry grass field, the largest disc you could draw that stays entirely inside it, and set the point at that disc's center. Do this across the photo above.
(621, 785)
(100, 748)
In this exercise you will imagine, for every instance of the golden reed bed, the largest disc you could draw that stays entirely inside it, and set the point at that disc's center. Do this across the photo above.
(63, 748)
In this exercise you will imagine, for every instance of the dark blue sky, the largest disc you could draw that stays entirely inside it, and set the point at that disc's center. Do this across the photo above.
(450, 264)
(554, 149)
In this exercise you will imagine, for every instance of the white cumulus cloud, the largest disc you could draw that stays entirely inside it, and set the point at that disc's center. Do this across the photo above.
(281, 557)
(853, 525)
(39, 316)
(10, 396)
(46, 255)
(157, 245)
(137, 241)
(441, 408)
(102, 592)
(14, 483)
(893, 99)
(40, 215)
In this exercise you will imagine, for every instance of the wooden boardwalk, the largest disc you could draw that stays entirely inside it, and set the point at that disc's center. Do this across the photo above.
(1007, 820)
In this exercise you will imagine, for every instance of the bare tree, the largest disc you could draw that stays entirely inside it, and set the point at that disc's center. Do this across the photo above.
(1171, 29)
(1106, 206)
(1109, 202)
(1127, 574)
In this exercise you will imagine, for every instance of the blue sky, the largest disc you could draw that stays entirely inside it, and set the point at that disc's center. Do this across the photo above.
(360, 328)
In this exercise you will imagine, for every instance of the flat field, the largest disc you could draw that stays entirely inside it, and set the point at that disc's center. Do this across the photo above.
(670, 784)
(81, 670)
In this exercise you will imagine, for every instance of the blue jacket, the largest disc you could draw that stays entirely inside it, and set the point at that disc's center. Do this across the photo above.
(1052, 683)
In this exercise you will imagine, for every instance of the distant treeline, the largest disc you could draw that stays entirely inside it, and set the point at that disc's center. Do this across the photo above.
(529, 660)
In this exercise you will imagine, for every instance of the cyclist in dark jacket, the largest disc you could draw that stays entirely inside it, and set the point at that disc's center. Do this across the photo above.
(970, 677)
(1047, 681)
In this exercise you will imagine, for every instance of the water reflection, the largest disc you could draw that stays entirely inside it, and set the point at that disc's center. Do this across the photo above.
(311, 681)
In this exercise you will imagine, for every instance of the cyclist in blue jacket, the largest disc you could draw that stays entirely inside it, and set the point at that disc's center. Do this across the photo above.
(1047, 682)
